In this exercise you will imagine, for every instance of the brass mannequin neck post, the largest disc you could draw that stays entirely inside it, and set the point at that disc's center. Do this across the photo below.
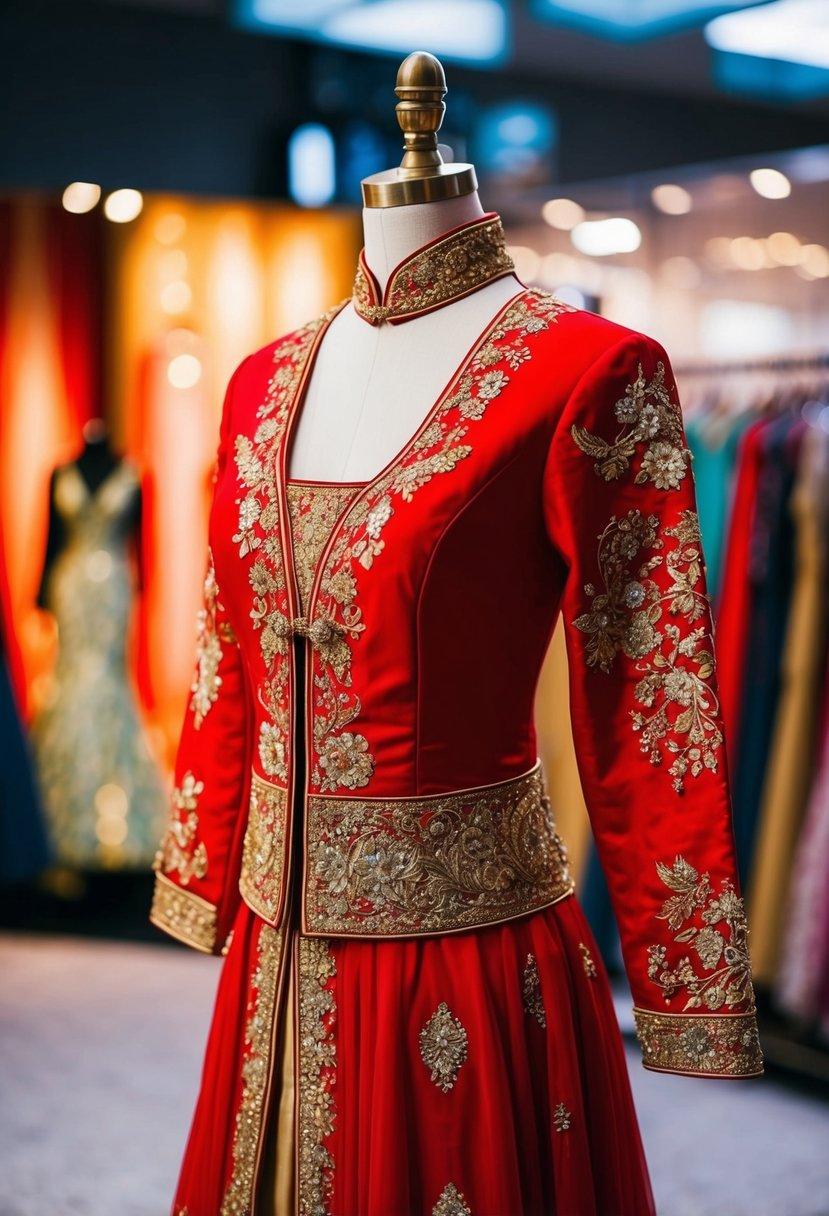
(422, 177)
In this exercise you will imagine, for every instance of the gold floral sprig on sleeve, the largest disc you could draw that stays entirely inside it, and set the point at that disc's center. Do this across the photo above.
(714, 928)
(665, 630)
(649, 414)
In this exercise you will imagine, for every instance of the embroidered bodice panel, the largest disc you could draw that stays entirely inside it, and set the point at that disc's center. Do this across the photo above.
(313, 508)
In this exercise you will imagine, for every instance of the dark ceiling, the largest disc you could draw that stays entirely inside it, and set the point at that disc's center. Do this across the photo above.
(674, 64)
(168, 95)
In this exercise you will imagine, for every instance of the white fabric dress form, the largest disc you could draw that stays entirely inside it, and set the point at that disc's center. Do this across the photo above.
(372, 386)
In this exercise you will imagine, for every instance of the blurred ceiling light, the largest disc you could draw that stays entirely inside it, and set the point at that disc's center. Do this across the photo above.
(779, 50)
(453, 29)
(599, 238)
(563, 213)
(176, 297)
(311, 165)
(672, 199)
(630, 19)
(718, 250)
(793, 30)
(123, 205)
(469, 29)
(747, 253)
(815, 259)
(784, 248)
(170, 228)
(682, 273)
(184, 371)
(527, 262)
(80, 197)
(770, 183)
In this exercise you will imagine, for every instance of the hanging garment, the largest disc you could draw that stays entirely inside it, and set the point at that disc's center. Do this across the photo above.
(104, 797)
(794, 743)
(770, 573)
(715, 443)
(800, 985)
(733, 609)
(361, 821)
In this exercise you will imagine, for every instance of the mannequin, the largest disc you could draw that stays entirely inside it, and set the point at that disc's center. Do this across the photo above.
(359, 409)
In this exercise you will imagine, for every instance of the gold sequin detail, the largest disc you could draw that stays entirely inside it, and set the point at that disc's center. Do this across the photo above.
(451, 1203)
(183, 915)
(650, 416)
(665, 630)
(562, 1118)
(263, 853)
(443, 862)
(587, 962)
(443, 1047)
(533, 1003)
(205, 687)
(722, 954)
(317, 1073)
(238, 1197)
(723, 1045)
(444, 271)
(178, 849)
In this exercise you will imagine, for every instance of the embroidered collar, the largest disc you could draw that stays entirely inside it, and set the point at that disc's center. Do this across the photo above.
(446, 269)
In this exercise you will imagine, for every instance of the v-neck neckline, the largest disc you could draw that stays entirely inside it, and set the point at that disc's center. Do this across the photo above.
(367, 488)
(296, 407)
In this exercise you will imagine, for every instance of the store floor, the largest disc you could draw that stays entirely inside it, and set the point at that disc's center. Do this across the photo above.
(100, 1051)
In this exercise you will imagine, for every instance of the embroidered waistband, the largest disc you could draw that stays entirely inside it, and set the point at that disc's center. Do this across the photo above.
(400, 867)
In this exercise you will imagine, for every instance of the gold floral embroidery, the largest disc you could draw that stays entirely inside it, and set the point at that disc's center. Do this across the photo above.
(723, 1045)
(183, 915)
(317, 1073)
(533, 1003)
(632, 615)
(443, 862)
(562, 1118)
(238, 1197)
(359, 542)
(451, 1202)
(263, 852)
(313, 511)
(258, 533)
(723, 954)
(178, 850)
(444, 271)
(587, 962)
(443, 1047)
(205, 687)
(649, 414)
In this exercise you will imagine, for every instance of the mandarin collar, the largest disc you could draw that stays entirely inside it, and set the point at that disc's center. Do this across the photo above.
(446, 269)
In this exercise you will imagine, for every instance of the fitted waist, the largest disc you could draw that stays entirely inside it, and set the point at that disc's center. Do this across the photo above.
(410, 866)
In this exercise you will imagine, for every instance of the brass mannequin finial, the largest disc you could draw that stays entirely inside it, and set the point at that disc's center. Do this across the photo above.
(422, 176)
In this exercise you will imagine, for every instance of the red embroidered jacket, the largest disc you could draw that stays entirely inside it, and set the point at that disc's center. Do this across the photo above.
(381, 747)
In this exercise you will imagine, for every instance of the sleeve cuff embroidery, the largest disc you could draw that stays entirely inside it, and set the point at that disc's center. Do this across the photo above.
(183, 915)
(724, 1045)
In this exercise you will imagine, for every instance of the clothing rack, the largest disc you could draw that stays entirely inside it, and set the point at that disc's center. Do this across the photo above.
(774, 363)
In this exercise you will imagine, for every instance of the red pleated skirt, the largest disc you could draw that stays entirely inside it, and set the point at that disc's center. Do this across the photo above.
(481, 1072)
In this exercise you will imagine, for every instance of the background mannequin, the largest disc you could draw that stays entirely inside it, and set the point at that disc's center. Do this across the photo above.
(372, 386)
